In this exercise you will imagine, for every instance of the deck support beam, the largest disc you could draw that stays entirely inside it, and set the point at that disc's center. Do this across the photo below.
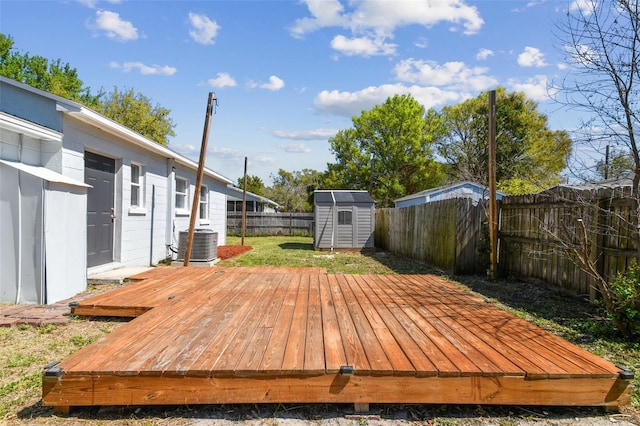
(85, 390)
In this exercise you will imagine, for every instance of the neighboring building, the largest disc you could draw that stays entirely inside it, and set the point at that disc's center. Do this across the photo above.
(344, 219)
(624, 181)
(459, 190)
(255, 203)
(80, 193)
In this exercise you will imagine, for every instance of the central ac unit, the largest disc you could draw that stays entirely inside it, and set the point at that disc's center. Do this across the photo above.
(204, 247)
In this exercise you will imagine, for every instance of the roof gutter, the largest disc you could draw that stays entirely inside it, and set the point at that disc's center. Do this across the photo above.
(91, 117)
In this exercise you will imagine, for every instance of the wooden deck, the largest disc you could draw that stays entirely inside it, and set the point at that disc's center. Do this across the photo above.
(236, 335)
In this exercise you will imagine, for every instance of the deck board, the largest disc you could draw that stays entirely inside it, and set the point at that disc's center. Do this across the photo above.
(233, 335)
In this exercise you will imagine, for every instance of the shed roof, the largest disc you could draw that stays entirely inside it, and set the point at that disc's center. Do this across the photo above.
(342, 196)
(440, 189)
(44, 173)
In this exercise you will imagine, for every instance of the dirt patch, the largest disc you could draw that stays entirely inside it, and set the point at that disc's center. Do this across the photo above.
(227, 252)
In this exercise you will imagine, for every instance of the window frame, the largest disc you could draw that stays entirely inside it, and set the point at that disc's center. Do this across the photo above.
(137, 188)
(184, 195)
(203, 202)
(342, 217)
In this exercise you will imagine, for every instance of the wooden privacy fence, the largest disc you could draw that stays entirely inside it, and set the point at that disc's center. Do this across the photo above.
(537, 234)
(260, 223)
(536, 231)
(447, 234)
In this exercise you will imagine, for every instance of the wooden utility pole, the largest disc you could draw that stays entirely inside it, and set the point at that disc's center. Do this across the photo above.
(606, 164)
(493, 204)
(196, 196)
(244, 201)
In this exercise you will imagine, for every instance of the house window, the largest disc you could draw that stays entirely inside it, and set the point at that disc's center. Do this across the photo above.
(137, 185)
(182, 193)
(204, 203)
(344, 218)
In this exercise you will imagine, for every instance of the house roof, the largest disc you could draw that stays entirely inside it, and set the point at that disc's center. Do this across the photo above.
(342, 196)
(434, 191)
(609, 183)
(235, 194)
(87, 115)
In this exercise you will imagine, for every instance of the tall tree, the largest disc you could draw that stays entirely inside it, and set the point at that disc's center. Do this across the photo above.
(294, 190)
(51, 76)
(136, 111)
(601, 43)
(254, 184)
(529, 155)
(619, 164)
(388, 151)
(128, 108)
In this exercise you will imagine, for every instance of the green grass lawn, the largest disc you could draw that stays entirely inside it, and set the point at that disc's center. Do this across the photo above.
(298, 251)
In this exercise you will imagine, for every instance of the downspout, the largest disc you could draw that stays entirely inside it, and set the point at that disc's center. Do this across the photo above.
(333, 220)
(19, 289)
(153, 208)
(43, 253)
(170, 212)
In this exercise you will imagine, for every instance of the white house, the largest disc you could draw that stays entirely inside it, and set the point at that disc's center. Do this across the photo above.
(80, 193)
(465, 189)
(255, 203)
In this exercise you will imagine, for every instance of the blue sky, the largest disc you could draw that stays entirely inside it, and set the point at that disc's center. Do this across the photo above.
(289, 74)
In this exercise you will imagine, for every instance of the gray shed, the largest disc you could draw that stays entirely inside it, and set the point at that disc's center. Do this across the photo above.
(344, 219)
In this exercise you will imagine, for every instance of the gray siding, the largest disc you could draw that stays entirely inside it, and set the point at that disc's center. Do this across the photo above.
(24, 103)
(324, 226)
(330, 234)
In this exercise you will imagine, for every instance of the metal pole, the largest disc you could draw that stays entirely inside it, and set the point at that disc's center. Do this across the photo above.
(196, 196)
(244, 201)
(493, 205)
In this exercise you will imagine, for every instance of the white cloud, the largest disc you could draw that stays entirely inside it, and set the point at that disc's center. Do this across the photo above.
(298, 148)
(226, 153)
(89, 3)
(454, 75)
(527, 6)
(325, 13)
(421, 43)
(484, 54)
(362, 46)
(381, 19)
(584, 7)
(307, 135)
(114, 27)
(536, 88)
(221, 80)
(351, 104)
(581, 54)
(386, 16)
(531, 57)
(274, 84)
(144, 69)
(203, 30)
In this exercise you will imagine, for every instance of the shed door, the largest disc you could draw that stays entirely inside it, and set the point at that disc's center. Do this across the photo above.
(345, 228)
(99, 172)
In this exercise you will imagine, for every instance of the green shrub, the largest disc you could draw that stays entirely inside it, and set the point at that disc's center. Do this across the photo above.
(627, 301)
